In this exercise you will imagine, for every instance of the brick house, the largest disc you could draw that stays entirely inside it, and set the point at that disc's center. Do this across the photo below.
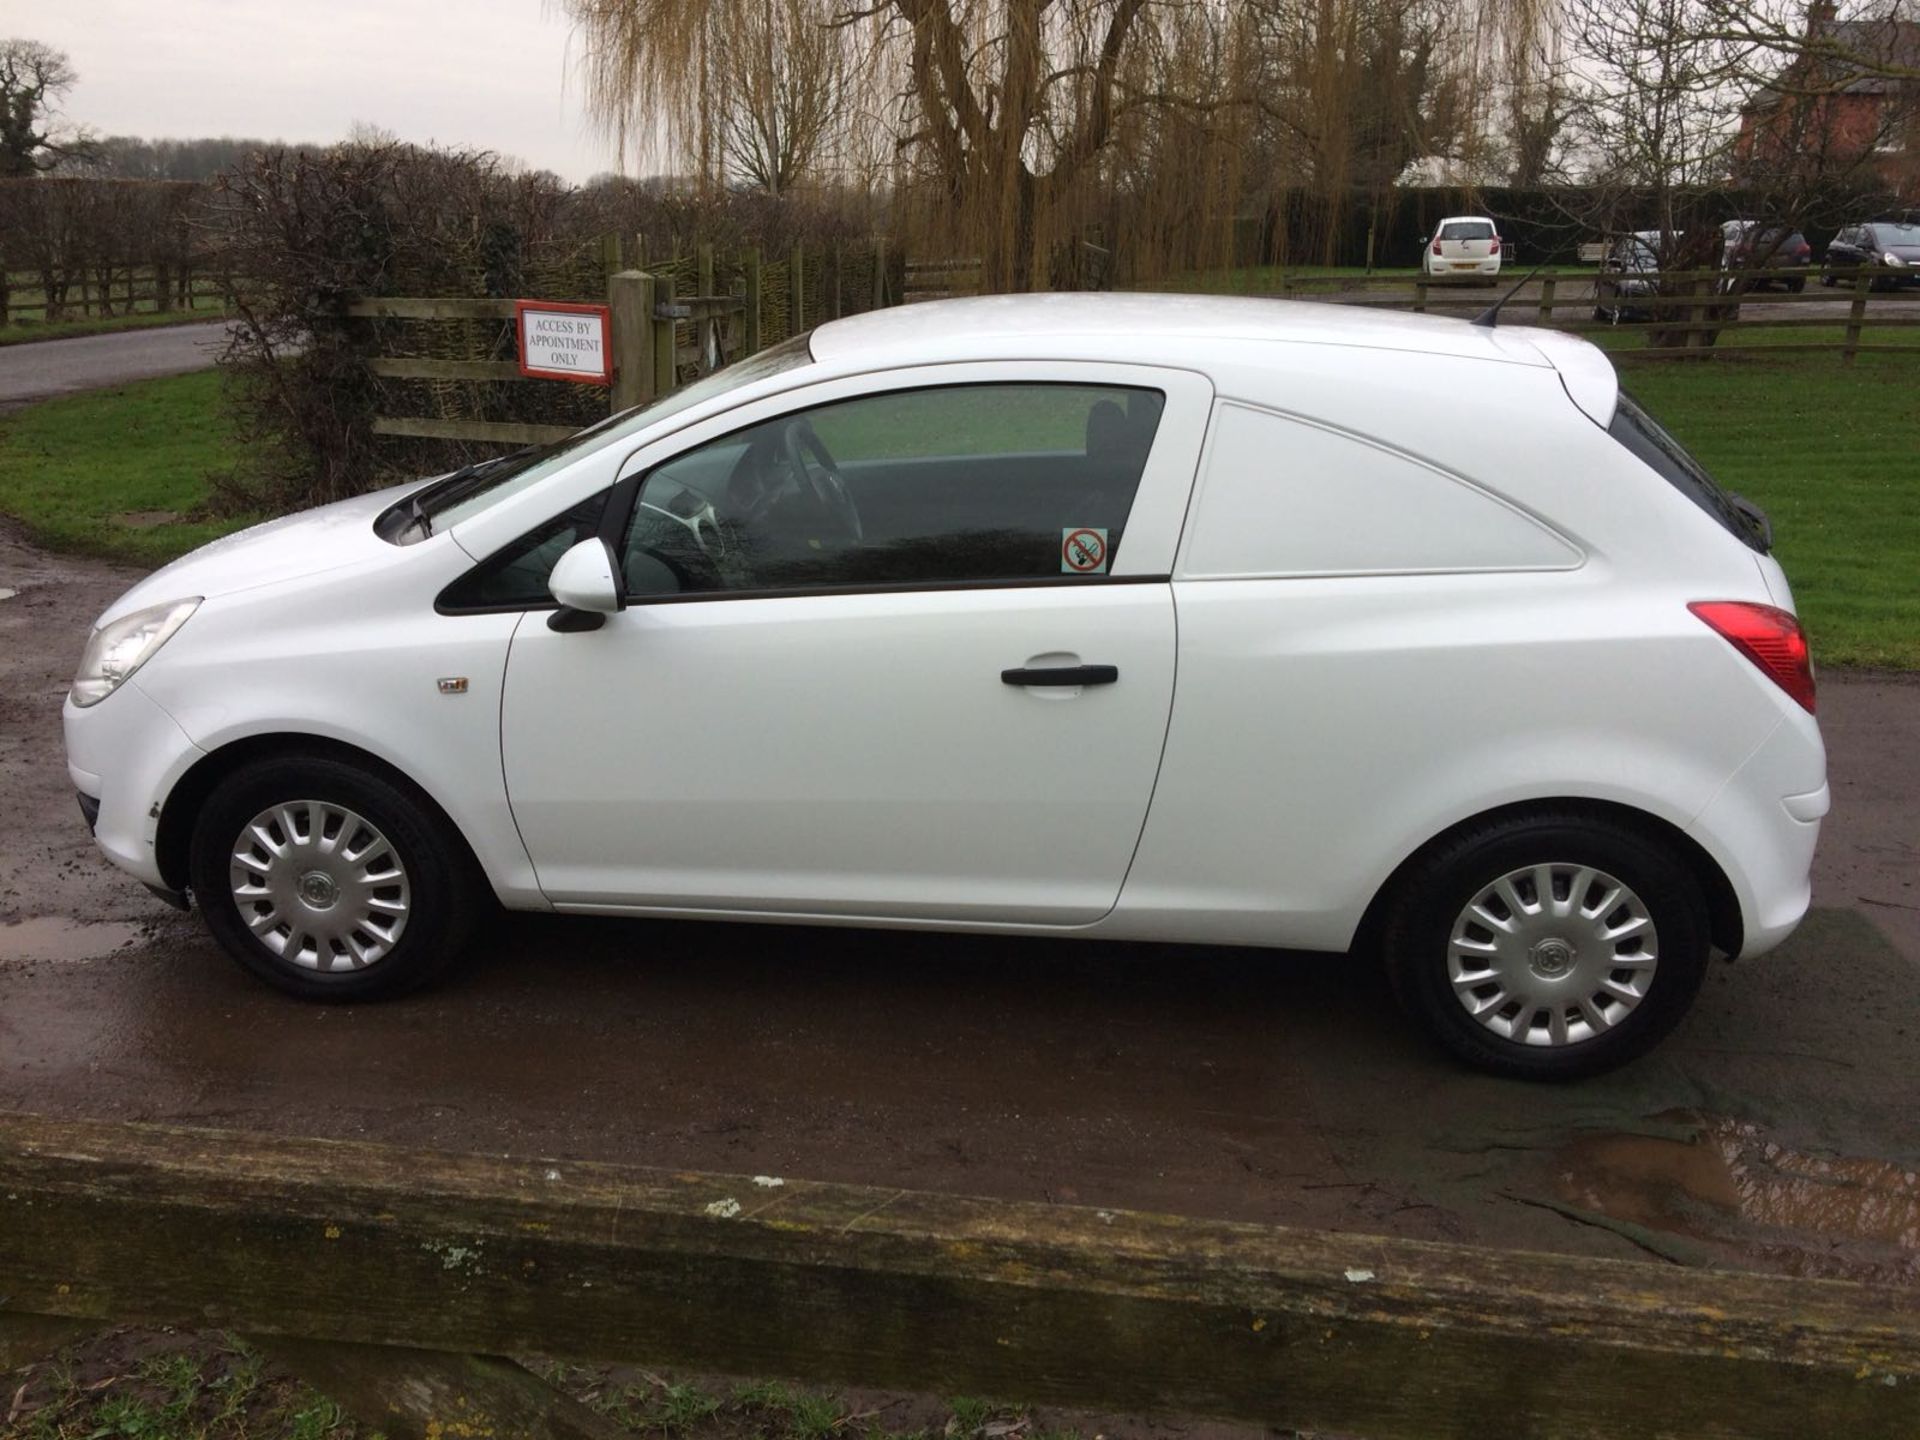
(1848, 103)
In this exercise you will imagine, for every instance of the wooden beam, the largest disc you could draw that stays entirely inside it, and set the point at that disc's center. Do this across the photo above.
(410, 308)
(430, 1395)
(1396, 1340)
(422, 368)
(498, 432)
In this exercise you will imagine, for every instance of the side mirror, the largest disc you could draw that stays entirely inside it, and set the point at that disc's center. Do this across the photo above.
(586, 582)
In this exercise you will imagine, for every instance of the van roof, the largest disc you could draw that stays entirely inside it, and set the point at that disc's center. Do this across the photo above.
(1139, 327)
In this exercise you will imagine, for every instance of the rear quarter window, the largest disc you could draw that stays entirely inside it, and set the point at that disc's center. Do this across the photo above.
(1284, 497)
(1649, 440)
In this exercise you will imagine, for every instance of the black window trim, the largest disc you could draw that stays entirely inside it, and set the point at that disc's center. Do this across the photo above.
(804, 592)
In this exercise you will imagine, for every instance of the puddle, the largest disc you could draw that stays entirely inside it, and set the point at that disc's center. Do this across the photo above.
(52, 937)
(1732, 1184)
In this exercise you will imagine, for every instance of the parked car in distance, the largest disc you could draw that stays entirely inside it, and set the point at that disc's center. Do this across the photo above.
(1627, 278)
(1878, 244)
(877, 628)
(1753, 245)
(1462, 247)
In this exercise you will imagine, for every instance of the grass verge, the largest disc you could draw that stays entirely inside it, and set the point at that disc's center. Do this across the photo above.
(121, 473)
(25, 332)
(165, 1385)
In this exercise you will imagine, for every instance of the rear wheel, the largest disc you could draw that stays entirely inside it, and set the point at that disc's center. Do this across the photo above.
(1550, 946)
(328, 881)
(1797, 285)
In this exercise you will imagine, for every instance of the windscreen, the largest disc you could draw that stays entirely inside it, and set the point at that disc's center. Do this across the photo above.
(1467, 230)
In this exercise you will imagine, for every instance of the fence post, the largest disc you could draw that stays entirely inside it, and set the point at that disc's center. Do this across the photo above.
(1856, 321)
(1546, 301)
(666, 373)
(880, 272)
(751, 313)
(1420, 296)
(797, 288)
(706, 330)
(610, 253)
(839, 264)
(630, 303)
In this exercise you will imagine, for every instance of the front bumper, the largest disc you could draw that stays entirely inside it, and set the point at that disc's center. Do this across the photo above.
(124, 756)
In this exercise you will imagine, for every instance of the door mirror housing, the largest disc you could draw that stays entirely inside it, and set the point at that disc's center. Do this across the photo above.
(586, 582)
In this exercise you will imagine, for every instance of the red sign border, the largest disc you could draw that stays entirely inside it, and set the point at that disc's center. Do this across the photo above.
(1067, 539)
(565, 307)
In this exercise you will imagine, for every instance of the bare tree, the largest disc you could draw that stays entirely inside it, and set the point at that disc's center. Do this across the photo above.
(780, 73)
(33, 79)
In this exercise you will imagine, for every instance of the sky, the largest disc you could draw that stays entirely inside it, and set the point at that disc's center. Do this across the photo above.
(490, 74)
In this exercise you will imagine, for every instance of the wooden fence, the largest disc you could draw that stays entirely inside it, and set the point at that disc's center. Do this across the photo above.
(106, 292)
(389, 1277)
(1695, 313)
(669, 322)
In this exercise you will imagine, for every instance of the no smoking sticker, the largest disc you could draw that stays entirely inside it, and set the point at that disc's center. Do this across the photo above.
(1083, 551)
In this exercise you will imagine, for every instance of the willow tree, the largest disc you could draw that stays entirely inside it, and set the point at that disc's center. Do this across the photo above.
(1015, 118)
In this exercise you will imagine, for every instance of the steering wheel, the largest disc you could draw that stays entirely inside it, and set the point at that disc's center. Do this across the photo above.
(823, 477)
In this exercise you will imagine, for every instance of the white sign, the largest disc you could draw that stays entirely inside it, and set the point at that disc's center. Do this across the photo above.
(564, 342)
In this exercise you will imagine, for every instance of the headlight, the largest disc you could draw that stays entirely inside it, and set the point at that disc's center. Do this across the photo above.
(1891, 259)
(115, 651)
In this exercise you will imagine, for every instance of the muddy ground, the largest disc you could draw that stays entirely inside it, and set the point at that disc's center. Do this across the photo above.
(1780, 1128)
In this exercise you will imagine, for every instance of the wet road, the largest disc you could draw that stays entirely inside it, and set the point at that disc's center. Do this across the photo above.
(1778, 1128)
(45, 368)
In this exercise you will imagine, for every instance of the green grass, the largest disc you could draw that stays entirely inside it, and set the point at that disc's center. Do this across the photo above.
(72, 470)
(24, 332)
(1832, 453)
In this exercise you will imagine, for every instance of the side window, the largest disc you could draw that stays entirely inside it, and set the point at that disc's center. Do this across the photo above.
(982, 483)
(1281, 497)
(516, 576)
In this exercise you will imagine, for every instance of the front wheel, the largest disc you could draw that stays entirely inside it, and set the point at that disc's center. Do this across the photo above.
(1549, 946)
(328, 881)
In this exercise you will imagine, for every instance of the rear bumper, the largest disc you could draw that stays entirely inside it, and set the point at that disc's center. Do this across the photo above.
(1763, 827)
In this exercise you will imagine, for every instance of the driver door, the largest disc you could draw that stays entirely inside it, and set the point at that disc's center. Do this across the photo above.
(904, 654)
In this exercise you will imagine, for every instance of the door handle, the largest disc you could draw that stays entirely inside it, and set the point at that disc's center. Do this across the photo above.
(1062, 675)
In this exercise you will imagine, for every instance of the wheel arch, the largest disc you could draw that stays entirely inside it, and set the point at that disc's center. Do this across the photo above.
(173, 837)
(1723, 903)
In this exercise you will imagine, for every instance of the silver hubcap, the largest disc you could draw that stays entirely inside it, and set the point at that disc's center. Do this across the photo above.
(320, 886)
(1552, 954)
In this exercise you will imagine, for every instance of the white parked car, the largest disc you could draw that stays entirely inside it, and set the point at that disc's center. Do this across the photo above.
(1165, 618)
(1462, 247)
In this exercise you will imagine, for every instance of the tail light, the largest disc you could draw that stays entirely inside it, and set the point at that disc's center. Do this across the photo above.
(1494, 249)
(1771, 638)
(1436, 244)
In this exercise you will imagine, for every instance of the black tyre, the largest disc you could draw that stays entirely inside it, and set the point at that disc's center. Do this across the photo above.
(330, 882)
(1826, 278)
(1550, 946)
(1797, 285)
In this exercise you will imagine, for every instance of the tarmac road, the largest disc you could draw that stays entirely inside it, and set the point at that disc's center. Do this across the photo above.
(46, 368)
(1248, 1085)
